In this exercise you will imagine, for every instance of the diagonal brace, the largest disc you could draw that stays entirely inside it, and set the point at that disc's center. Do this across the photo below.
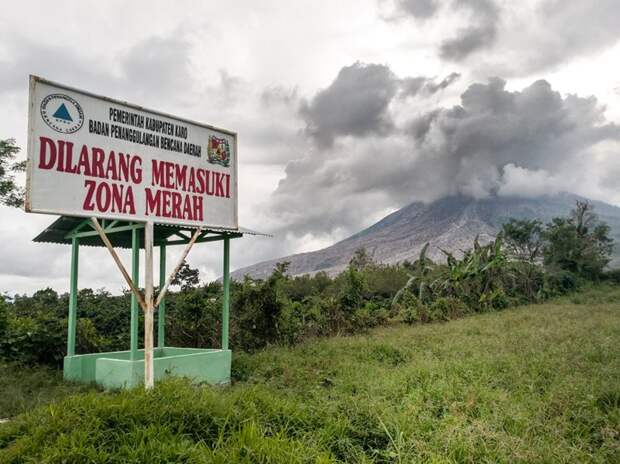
(119, 263)
(164, 289)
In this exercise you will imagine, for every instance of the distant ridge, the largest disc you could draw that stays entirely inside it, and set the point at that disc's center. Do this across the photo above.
(450, 223)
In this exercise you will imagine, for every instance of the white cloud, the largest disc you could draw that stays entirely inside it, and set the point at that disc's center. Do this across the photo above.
(523, 182)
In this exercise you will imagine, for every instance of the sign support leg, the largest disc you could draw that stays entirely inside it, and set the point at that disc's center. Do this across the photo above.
(72, 322)
(226, 296)
(135, 276)
(117, 260)
(161, 311)
(149, 380)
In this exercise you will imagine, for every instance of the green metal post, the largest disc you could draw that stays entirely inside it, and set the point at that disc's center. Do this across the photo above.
(226, 298)
(161, 312)
(73, 297)
(135, 307)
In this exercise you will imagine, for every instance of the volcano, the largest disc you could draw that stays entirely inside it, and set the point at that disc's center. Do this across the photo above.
(451, 224)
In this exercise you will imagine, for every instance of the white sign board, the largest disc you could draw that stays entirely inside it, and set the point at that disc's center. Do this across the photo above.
(95, 156)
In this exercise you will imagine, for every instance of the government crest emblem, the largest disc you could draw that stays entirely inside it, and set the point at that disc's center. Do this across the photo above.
(218, 151)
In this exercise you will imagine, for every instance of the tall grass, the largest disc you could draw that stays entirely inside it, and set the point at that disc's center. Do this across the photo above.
(532, 384)
(23, 388)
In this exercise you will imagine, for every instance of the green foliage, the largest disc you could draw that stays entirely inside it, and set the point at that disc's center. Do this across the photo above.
(354, 289)
(360, 259)
(579, 244)
(523, 238)
(530, 384)
(413, 310)
(560, 282)
(187, 277)
(446, 308)
(4, 316)
(193, 316)
(10, 193)
(480, 280)
(612, 276)
(88, 339)
(287, 310)
(39, 338)
(260, 305)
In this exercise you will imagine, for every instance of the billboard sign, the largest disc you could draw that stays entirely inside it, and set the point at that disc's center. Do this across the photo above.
(90, 155)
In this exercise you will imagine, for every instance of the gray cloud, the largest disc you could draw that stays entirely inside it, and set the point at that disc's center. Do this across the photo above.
(468, 41)
(564, 29)
(482, 18)
(412, 86)
(554, 33)
(354, 104)
(53, 62)
(420, 9)
(535, 129)
(494, 142)
(278, 95)
(425, 86)
(484, 14)
(152, 69)
(160, 65)
(522, 40)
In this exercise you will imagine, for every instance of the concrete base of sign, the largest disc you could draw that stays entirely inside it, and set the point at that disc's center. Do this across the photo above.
(116, 369)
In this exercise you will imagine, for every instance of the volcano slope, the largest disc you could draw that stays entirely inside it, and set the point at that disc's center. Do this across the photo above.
(450, 224)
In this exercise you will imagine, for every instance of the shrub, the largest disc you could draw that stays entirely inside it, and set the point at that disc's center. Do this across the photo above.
(291, 322)
(492, 300)
(4, 317)
(88, 339)
(560, 282)
(446, 308)
(612, 276)
(413, 309)
(370, 315)
(37, 339)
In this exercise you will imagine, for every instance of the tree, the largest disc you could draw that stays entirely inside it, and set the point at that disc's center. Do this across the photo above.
(354, 288)
(523, 238)
(258, 306)
(10, 193)
(579, 243)
(360, 259)
(187, 277)
(4, 315)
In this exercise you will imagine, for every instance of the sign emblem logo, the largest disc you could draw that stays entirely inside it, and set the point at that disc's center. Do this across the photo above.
(62, 113)
(218, 151)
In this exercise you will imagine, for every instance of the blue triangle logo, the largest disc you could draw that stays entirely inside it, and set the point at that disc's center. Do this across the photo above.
(62, 113)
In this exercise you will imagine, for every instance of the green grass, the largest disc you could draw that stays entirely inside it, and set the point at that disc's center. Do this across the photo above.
(24, 388)
(531, 384)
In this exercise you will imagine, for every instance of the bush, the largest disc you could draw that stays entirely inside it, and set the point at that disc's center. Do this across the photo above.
(291, 322)
(612, 276)
(560, 283)
(4, 317)
(413, 309)
(87, 338)
(493, 300)
(446, 308)
(370, 315)
(38, 339)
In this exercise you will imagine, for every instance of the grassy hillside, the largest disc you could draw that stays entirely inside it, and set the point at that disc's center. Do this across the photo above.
(532, 384)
